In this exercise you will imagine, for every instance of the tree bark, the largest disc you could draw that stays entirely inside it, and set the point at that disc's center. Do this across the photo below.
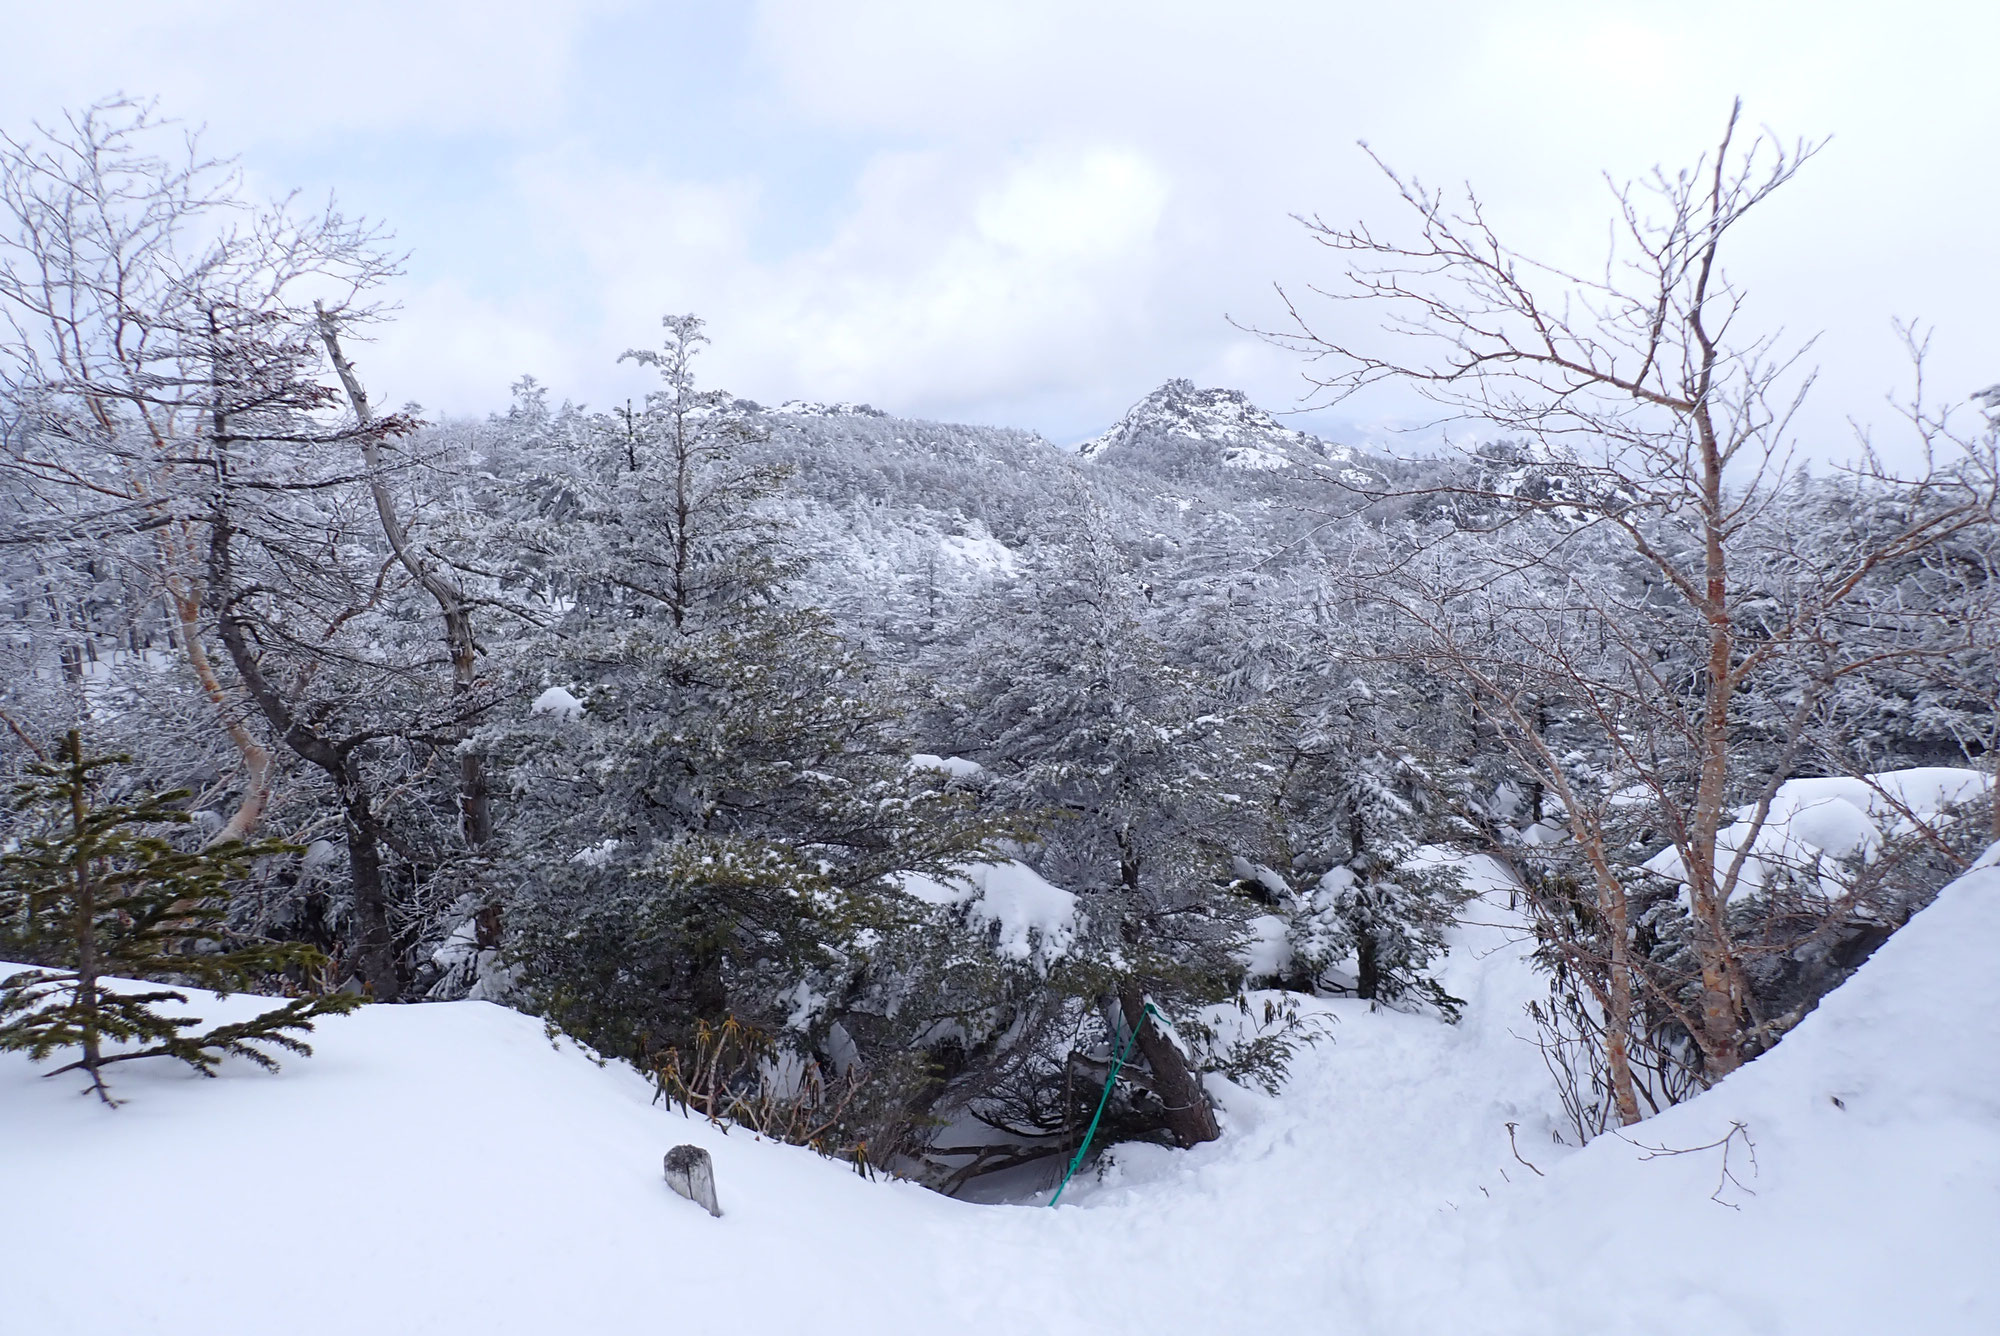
(371, 901)
(1614, 909)
(257, 758)
(1368, 972)
(1190, 1117)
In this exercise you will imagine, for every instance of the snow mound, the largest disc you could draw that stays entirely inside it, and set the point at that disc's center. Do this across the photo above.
(1030, 919)
(1814, 820)
(955, 766)
(448, 1169)
(1267, 954)
(1862, 1183)
(443, 1167)
(559, 702)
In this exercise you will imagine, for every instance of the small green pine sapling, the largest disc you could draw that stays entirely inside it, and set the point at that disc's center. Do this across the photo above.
(92, 891)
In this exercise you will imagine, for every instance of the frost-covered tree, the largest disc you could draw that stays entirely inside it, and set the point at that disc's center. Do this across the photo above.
(706, 802)
(177, 430)
(125, 252)
(1127, 758)
(1360, 794)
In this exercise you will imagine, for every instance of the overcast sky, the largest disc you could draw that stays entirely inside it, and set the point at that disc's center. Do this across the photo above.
(1031, 213)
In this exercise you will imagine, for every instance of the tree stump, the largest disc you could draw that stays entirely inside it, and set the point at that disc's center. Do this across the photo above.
(692, 1174)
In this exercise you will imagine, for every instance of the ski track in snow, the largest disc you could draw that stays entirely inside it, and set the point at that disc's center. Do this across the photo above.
(446, 1169)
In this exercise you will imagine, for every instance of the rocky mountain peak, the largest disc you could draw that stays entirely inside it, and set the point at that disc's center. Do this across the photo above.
(1237, 432)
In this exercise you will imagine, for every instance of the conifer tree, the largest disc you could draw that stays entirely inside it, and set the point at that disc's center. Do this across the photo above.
(94, 891)
(1360, 794)
(1084, 718)
(709, 825)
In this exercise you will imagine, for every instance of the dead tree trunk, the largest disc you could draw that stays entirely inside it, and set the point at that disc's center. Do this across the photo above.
(474, 798)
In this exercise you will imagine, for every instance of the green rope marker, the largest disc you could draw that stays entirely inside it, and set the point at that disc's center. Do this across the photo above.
(1124, 1052)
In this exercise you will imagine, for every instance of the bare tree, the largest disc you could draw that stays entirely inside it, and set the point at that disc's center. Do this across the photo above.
(1638, 564)
(118, 233)
(163, 335)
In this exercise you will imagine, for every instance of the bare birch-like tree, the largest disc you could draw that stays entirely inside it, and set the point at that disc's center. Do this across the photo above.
(163, 336)
(116, 233)
(1646, 594)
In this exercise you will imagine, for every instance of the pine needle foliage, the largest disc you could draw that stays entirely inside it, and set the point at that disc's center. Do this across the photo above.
(94, 891)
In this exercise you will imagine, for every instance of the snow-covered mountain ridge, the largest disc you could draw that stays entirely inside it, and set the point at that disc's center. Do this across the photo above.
(1379, 1193)
(808, 408)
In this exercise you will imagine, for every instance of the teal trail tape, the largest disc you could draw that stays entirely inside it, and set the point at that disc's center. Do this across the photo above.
(1124, 1052)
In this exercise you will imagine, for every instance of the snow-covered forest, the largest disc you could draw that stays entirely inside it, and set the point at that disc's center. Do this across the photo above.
(1224, 815)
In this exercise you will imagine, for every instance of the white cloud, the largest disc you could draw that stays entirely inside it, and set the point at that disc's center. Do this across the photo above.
(1253, 111)
(1034, 211)
(942, 281)
(941, 287)
(260, 72)
(452, 351)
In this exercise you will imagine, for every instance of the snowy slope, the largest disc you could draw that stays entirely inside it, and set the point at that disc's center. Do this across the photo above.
(446, 1169)
(1876, 1203)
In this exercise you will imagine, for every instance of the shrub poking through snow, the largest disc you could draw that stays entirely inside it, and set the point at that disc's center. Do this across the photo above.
(733, 1073)
(92, 890)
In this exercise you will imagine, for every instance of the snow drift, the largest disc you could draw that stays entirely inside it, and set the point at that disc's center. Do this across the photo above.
(450, 1169)
(1814, 823)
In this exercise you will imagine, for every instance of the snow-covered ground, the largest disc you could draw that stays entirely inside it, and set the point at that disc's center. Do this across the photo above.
(447, 1169)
